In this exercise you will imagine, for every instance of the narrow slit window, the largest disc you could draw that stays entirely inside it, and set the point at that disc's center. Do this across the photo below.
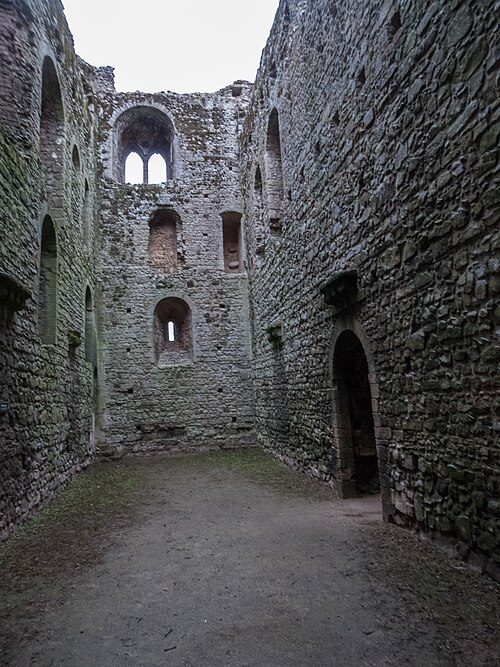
(171, 332)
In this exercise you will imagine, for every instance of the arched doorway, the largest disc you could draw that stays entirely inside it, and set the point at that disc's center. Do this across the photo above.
(353, 427)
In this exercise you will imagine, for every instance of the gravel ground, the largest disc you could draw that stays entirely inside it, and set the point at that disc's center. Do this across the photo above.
(232, 559)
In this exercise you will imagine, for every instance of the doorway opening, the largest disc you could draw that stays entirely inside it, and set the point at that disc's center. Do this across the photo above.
(354, 432)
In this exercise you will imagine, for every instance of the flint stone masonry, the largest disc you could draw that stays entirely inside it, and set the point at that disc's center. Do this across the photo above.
(178, 397)
(318, 271)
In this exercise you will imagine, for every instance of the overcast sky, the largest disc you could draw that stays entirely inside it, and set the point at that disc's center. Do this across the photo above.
(179, 45)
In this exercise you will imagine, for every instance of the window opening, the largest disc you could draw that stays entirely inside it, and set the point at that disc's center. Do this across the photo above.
(231, 232)
(157, 169)
(89, 327)
(134, 169)
(47, 293)
(149, 133)
(171, 332)
(75, 158)
(51, 128)
(274, 173)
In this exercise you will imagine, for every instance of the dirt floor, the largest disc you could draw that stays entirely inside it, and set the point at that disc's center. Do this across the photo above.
(232, 559)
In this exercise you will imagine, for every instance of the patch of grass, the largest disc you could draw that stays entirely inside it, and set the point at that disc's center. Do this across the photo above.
(69, 532)
(256, 465)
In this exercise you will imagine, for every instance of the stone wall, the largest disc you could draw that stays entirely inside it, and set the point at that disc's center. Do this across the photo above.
(194, 391)
(388, 129)
(46, 390)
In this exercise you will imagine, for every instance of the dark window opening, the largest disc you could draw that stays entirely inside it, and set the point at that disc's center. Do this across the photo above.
(90, 348)
(86, 214)
(75, 158)
(274, 172)
(51, 128)
(47, 293)
(361, 77)
(231, 231)
(394, 24)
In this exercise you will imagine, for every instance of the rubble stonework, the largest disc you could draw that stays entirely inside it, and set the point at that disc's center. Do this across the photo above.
(316, 271)
(388, 124)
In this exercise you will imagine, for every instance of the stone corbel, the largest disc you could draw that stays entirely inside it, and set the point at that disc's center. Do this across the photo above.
(342, 290)
(12, 296)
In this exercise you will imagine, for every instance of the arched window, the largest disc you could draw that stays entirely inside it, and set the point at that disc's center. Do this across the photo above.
(231, 232)
(47, 292)
(173, 340)
(157, 169)
(134, 169)
(86, 213)
(148, 133)
(274, 173)
(162, 246)
(75, 158)
(258, 212)
(90, 351)
(51, 128)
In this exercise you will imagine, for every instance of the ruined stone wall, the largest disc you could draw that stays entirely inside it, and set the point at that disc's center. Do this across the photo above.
(388, 122)
(194, 391)
(46, 391)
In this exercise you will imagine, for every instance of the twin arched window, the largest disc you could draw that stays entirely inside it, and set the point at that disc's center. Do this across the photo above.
(153, 171)
(143, 146)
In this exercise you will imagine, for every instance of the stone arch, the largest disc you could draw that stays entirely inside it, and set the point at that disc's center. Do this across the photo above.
(47, 290)
(173, 332)
(274, 173)
(51, 128)
(146, 131)
(355, 415)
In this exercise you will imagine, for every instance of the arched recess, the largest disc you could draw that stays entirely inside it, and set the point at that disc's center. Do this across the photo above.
(51, 129)
(47, 292)
(90, 342)
(355, 416)
(274, 173)
(231, 234)
(162, 247)
(258, 212)
(172, 332)
(86, 213)
(149, 133)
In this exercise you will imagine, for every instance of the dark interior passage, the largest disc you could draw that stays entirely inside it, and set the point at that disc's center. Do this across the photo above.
(352, 369)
